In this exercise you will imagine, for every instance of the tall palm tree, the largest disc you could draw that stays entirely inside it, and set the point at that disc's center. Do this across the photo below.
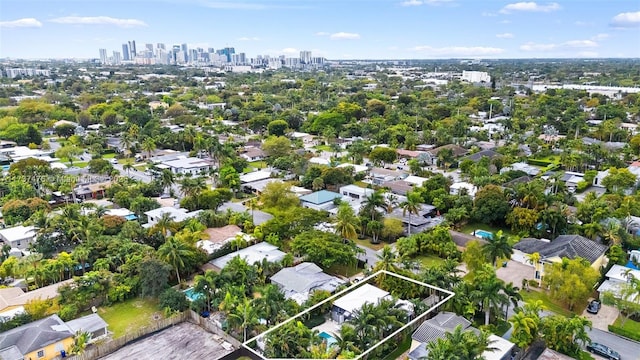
(535, 261)
(525, 329)
(165, 224)
(206, 284)
(148, 145)
(175, 252)
(126, 141)
(167, 179)
(127, 167)
(412, 206)
(192, 186)
(245, 316)
(347, 223)
(488, 291)
(81, 254)
(375, 227)
(372, 202)
(497, 246)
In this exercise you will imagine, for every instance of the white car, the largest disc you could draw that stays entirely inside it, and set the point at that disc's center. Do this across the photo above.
(113, 161)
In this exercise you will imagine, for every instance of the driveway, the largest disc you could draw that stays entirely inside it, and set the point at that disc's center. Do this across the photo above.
(605, 317)
(514, 272)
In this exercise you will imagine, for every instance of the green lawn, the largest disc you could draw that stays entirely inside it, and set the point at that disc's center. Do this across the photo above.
(401, 349)
(344, 270)
(367, 243)
(470, 227)
(126, 161)
(323, 147)
(130, 315)
(79, 164)
(108, 156)
(629, 325)
(549, 304)
(258, 164)
(429, 261)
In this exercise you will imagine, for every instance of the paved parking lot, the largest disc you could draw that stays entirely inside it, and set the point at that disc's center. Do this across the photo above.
(605, 317)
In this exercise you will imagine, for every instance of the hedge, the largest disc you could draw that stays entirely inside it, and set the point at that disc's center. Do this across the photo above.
(624, 332)
(539, 162)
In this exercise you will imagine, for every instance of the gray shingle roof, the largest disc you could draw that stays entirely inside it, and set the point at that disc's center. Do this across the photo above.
(35, 335)
(304, 278)
(569, 246)
(436, 327)
(480, 154)
(89, 323)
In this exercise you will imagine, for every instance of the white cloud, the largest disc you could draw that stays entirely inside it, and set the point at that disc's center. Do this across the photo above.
(231, 5)
(626, 20)
(529, 7)
(290, 51)
(412, 3)
(99, 20)
(322, 33)
(600, 37)
(565, 46)
(505, 36)
(458, 50)
(246, 38)
(26, 22)
(488, 14)
(344, 36)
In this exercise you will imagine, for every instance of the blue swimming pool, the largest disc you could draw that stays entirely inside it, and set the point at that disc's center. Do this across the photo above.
(483, 234)
(328, 338)
(191, 294)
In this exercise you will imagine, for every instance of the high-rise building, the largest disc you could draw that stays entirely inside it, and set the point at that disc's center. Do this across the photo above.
(116, 58)
(125, 52)
(161, 46)
(149, 47)
(103, 56)
(228, 51)
(305, 57)
(185, 50)
(132, 49)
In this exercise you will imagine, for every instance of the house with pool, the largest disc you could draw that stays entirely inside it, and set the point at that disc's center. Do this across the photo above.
(343, 308)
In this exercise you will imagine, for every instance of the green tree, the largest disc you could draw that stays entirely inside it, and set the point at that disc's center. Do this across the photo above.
(173, 299)
(570, 281)
(69, 152)
(278, 195)
(383, 155)
(154, 276)
(459, 345)
(276, 146)
(346, 222)
(324, 248)
(411, 206)
(619, 180)
(175, 253)
(490, 205)
(277, 127)
(565, 335)
(497, 247)
(488, 291)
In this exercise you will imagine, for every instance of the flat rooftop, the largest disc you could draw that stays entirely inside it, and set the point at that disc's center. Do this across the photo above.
(185, 340)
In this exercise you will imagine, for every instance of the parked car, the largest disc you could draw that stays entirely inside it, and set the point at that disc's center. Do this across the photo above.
(594, 307)
(603, 350)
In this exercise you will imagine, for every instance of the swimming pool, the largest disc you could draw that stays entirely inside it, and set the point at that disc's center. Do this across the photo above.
(483, 234)
(330, 339)
(191, 294)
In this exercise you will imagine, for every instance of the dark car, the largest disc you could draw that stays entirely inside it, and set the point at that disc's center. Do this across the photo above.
(603, 351)
(593, 307)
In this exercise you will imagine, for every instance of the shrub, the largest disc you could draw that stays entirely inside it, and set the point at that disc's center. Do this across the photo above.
(174, 300)
(624, 332)
(533, 283)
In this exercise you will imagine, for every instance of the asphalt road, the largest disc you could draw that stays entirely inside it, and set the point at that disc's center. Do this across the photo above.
(628, 350)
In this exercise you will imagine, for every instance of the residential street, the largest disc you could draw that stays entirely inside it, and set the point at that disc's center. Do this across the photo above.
(628, 350)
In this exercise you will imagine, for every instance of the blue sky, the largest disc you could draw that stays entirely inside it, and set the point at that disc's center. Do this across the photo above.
(336, 29)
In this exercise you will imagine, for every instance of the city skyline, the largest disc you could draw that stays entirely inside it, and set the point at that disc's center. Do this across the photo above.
(350, 29)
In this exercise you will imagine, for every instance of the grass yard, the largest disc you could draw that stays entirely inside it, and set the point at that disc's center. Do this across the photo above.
(367, 243)
(429, 261)
(258, 164)
(130, 315)
(401, 349)
(78, 164)
(323, 147)
(344, 270)
(549, 304)
(629, 325)
(126, 161)
(470, 227)
(108, 156)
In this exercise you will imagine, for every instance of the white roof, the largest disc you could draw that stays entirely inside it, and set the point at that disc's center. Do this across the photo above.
(356, 168)
(416, 180)
(188, 163)
(209, 246)
(252, 254)
(119, 212)
(177, 214)
(319, 160)
(463, 185)
(355, 189)
(619, 273)
(17, 233)
(58, 165)
(296, 134)
(255, 176)
(365, 294)
(502, 347)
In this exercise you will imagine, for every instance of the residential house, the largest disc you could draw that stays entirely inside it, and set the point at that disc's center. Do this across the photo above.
(432, 155)
(615, 278)
(398, 187)
(571, 180)
(319, 161)
(408, 154)
(252, 254)
(461, 188)
(461, 239)
(217, 237)
(355, 192)
(446, 322)
(176, 215)
(91, 191)
(45, 339)
(415, 180)
(259, 217)
(190, 165)
(300, 281)
(344, 307)
(426, 218)
(15, 297)
(92, 324)
(308, 140)
(254, 176)
(357, 169)
(379, 176)
(251, 153)
(320, 200)
(634, 168)
(490, 154)
(521, 166)
(19, 237)
(569, 246)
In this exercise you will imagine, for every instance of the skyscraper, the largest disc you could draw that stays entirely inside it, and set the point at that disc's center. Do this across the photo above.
(125, 52)
(132, 49)
(103, 56)
(116, 58)
(305, 57)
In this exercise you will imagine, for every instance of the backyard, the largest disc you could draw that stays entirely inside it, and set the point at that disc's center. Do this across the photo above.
(429, 261)
(367, 243)
(130, 315)
(549, 304)
(471, 227)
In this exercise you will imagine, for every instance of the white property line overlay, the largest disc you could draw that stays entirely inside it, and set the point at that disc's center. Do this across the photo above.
(349, 289)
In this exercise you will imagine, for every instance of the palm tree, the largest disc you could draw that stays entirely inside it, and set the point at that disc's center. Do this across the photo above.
(148, 145)
(80, 341)
(166, 180)
(192, 186)
(611, 233)
(245, 316)
(412, 206)
(81, 254)
(347, 223)
(206, 284)
(368, 322)
(175, 252)
(372, 202)
(525, 329)
(497, 247)
(165, 224)
(127, 167)
(459, 345)
(126, 141)
(488, 291)
(375, 227)
(535, 261)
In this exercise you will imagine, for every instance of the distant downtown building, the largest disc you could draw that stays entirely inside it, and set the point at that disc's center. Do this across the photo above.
(103, 56)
